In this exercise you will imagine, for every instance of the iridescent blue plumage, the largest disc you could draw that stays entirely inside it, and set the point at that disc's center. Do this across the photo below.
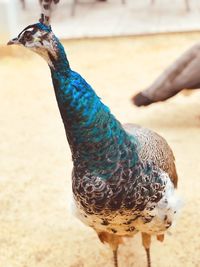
(44, 27)
(89, 124)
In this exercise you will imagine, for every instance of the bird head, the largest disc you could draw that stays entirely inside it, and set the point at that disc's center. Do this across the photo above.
(40, 39)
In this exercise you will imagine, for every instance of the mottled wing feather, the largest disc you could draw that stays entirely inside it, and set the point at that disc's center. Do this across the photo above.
(154, 148)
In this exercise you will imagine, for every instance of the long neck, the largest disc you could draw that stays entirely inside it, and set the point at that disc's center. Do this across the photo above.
(97, 140)
(59, 63)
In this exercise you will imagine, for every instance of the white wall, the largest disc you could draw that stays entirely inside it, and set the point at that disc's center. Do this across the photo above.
(9, 18)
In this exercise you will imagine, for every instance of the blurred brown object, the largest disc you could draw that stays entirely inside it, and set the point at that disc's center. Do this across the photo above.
(23, 4)
(46, 9)
(181, 74)
(41, 1)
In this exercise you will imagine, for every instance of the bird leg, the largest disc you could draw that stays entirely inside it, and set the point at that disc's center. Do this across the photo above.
(114, 241)
(146, 241)
(115, 257)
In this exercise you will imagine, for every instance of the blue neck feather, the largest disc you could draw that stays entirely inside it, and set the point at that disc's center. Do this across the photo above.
(61, 64)
(96, 138)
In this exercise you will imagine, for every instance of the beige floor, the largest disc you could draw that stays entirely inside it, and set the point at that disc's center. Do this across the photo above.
(36, 228)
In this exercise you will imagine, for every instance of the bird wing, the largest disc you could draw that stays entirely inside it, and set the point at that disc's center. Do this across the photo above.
(154, 148)
(182, 74)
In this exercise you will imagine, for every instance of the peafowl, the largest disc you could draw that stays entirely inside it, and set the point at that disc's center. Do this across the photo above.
(181, 74)
(124, 177)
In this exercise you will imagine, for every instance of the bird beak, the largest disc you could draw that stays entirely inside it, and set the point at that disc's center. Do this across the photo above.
(14, 41)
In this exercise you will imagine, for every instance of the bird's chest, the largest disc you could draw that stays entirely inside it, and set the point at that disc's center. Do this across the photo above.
(124, 208)
(112, 222)
(155, 219)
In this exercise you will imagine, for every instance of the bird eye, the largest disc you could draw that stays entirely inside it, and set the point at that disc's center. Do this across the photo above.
(28, 36)
(45, 35)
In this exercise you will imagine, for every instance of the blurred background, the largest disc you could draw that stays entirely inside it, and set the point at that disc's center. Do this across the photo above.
(120, 48)
(93, 18)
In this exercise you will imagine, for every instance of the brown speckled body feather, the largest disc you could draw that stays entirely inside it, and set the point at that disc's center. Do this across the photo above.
(128, 201)
(154, 147)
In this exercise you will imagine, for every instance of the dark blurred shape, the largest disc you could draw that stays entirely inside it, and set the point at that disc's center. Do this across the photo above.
(23, 4)
(47, 7)
(141, 100)
(182, 74)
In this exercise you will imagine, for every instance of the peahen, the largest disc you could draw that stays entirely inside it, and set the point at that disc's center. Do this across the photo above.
(124, 177)
(181, 74)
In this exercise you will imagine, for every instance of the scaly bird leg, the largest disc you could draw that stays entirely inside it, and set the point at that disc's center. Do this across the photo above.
(146, 241)
(113, 240)
(148, 257)
(115, 257)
